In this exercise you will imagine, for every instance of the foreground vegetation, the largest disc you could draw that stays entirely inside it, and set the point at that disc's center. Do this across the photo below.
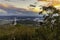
(24, 32)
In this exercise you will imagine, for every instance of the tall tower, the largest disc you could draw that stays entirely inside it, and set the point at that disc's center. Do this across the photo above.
(15, 21)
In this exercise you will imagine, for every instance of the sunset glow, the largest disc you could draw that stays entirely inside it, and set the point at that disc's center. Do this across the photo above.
(4, 5)
(36, 9)
(26, 3)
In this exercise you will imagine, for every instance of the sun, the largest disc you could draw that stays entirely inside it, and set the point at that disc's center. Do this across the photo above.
(37, 9)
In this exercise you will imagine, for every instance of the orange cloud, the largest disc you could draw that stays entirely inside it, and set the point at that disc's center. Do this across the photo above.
(3, 5)
(6, 6)
(52, 2)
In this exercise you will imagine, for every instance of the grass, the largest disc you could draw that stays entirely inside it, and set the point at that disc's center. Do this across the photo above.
(15, 31)
(24, 32)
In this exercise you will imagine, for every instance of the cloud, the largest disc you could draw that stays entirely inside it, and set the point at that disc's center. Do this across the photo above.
(3, 11)
(18, 3)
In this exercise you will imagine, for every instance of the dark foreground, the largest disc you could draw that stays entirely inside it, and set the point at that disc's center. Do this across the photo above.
(24, 32)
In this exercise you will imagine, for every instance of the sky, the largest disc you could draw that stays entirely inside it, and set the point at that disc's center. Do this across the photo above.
(26, 3)
(22, 3)
(18, 3)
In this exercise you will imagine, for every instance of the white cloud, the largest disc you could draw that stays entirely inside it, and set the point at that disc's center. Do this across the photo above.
(3, 11)
(22, 3)
(18, 3)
